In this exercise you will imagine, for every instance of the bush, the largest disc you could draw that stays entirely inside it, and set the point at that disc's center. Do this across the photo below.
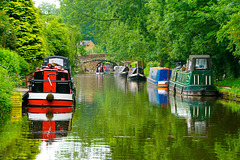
(7, 85)
(12, 66)
(13, 62)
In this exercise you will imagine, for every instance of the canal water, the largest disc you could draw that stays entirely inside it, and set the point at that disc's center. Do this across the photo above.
(118, 119)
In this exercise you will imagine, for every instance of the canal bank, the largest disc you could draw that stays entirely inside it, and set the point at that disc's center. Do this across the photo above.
(229, 93)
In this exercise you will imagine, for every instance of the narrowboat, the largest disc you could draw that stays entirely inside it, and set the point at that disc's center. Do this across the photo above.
(136, 74)
(159, 76)
(52, 85)
(123, 71)
(195, 79)
(100, 69)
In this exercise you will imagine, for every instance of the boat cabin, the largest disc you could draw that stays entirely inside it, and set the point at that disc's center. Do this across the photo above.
(159, 76)
(198, 62)
(51, 80)
(52, 85)
(195, 78)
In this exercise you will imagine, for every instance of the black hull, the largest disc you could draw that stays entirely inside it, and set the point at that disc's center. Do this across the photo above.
(123, 74)
(137, 77)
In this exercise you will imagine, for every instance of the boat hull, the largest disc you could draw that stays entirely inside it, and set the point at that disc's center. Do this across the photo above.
(159, 77)
(197, 83)
(123, 74)
(137, 77)
(59, 100)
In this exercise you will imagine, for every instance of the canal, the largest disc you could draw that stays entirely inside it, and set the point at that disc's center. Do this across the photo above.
(118, 119)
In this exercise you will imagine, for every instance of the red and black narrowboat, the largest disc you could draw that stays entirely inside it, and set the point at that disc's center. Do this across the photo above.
(52, 85)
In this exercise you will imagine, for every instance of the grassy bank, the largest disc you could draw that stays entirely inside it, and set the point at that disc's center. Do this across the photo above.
(230, 87)
(12, 67)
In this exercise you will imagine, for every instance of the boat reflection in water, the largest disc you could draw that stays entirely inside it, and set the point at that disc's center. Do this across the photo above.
(135, 86)
(49, 124)
(195, 110)
(158, 96)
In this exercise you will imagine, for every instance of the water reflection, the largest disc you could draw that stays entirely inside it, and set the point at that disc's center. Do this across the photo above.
(135, 86)
(49, 124)
(195, 110)
(158, 96)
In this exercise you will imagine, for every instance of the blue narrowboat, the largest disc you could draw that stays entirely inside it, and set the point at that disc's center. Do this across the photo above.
(159, 76)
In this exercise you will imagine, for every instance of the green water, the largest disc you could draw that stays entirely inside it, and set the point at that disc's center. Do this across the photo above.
(118, 119)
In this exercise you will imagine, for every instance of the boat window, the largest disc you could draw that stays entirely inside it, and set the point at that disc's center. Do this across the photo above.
(57, 61)
(38, 75)
(62, 75)
(201, 64)
(62, 87)
(189, 65)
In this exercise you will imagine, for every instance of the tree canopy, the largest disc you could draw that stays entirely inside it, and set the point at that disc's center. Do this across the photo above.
(24, 20)
(160, 29)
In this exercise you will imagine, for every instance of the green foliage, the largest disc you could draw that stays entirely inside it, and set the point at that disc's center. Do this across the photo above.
(11, 66)
(58, 40)
(96, 49)
(234, 84)
(7, 85)
(162, 30)
(150, 64)
(7, 34)
(231, 31)
(14, 63)
(49, 9)
(24, 20)
(229, 82)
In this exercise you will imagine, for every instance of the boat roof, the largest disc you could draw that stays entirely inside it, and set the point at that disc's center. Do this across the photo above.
(59, 60)
(52, 69)
(198, 56)
(161, 68)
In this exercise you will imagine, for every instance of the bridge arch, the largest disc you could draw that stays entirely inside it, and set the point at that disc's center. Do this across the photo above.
(89, 62)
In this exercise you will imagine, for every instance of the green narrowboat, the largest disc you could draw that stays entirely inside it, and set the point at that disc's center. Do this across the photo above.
(195, 79)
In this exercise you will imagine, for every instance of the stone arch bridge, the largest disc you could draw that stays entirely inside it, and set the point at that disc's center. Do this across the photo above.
(90, 61)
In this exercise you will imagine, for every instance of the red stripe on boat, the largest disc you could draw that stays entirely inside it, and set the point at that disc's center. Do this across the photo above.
(46, 110)
(54, 102)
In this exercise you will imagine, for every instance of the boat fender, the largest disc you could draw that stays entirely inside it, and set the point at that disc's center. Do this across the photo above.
(202, 91)
(50, 97)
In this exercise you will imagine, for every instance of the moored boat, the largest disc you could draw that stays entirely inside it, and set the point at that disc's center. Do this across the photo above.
(159, 76)
(136, 74)
(52, 85)
(123, 71)
(195, 79)
(100, 69)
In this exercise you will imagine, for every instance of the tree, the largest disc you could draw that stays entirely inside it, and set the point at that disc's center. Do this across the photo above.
(47, 8)
(24, 19)
(7, 34)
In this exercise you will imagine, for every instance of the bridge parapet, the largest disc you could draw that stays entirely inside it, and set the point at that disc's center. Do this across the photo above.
(90, 61)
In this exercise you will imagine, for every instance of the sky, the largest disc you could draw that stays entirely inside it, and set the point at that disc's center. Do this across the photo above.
(38, 2)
